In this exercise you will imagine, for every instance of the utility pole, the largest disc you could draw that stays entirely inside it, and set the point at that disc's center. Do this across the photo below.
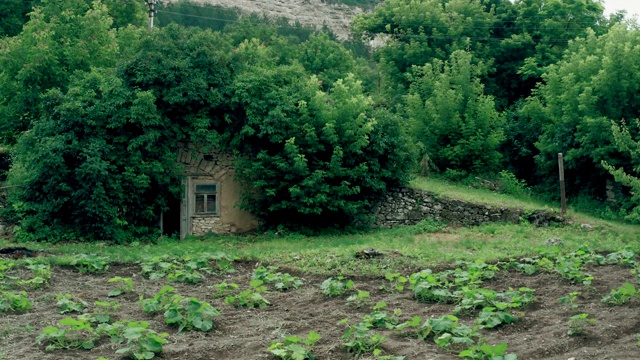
(152, 11)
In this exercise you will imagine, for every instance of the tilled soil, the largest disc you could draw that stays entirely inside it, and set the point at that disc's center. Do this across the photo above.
(541, 332)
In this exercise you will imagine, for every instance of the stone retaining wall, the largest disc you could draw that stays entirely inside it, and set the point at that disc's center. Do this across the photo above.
(406, 206)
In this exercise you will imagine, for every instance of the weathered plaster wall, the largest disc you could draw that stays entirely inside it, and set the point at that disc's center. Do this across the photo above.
(406, 206)
(215, 166)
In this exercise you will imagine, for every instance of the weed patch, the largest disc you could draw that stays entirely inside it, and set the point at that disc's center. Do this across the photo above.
(67, 304)
(140, 341)
(186, 313)
(124, 285)
(250, 298)
(90, 263)
(578, 324)
(336, 287)
(18, 302)
(294, 347)
(621, 295)
(281, 281)
(72, 334)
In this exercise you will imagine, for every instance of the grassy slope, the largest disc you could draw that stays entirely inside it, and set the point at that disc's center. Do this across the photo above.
(480, 196)
(420, 246)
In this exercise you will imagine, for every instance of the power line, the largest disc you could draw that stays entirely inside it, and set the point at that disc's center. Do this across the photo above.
(232, 20)
(519, 19)
(395, 35)
(197, 16)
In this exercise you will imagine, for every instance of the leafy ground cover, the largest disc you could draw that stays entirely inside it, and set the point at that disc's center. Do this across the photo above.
(555, 303)
(434, 292)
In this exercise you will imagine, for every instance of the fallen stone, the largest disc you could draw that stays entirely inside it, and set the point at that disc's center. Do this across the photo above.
(554, 242)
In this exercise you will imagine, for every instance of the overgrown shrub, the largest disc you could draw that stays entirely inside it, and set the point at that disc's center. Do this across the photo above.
(97, 165)
(315, 159)
(457, 123)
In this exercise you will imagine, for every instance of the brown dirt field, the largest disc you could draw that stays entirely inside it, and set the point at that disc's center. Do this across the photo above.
(245, 334)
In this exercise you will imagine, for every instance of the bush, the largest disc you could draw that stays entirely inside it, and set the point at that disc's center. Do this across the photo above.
(99, 156)
(102, 151)
(512, 185)
(314, 159)
(458, 125)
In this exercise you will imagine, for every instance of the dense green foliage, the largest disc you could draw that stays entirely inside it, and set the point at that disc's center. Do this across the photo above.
(458, 125)
(93, 106)
(513, 48)
(312, 158)
(100, 156)
(14, 15)
(594, 84)
(627, 144)
(103, 129)
(189, 71)
(60, 38)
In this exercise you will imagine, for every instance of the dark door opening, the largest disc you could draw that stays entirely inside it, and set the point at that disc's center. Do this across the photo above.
(171, 218)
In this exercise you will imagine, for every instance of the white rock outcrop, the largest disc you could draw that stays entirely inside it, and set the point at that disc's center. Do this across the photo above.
(336, 17)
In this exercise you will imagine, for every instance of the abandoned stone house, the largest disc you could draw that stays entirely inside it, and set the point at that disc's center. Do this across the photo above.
(209, 197)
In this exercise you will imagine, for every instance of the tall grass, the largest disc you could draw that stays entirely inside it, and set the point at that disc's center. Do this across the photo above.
(404, 249)
(479, 195)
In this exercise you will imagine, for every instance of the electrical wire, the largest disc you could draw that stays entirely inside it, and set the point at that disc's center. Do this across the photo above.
(399, 35)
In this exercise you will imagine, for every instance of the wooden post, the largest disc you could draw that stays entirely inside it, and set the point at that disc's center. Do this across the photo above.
(184, 209)
(563, 198)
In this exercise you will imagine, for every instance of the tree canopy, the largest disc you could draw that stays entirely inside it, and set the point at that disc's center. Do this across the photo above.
(93, 106)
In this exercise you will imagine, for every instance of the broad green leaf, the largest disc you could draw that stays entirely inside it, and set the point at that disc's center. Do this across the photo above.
(115, 292)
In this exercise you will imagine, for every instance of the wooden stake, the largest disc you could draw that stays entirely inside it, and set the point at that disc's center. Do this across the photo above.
(563, 198)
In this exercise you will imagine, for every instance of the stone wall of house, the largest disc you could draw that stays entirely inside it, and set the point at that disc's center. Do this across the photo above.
(217, 166)
(202, 225)
(205, 224)
(406, 206)
(214, 162)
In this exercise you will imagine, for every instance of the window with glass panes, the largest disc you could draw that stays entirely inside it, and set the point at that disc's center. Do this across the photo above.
(205, 196)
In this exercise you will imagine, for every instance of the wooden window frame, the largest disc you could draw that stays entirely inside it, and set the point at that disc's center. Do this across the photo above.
(195, 194)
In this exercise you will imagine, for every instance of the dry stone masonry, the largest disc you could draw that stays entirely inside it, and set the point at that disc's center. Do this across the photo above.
(406, 206)
(215, 166)
(210, 224)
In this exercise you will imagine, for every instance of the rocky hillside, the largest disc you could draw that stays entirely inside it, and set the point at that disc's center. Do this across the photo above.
(308, 12)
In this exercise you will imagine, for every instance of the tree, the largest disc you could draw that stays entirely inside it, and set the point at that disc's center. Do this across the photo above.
(418, 31)
(127, 12)
(596, 82)
(189, 71)
(628, 144)
(325, 58)
(97, 165)
(59, 39)
(100, 148)
(309, 155)
(551, 24)
(14, 15)
(540, 31)
(457, 124)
